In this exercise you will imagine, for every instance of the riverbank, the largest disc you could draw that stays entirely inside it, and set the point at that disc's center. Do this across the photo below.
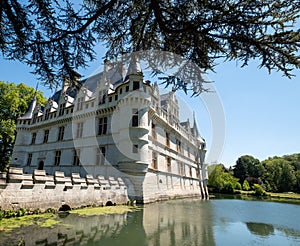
(51, 219)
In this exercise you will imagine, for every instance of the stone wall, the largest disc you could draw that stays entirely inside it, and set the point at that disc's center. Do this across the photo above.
(42, 191)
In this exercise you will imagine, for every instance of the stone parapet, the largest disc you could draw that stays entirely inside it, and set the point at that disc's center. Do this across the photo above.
(42, 191)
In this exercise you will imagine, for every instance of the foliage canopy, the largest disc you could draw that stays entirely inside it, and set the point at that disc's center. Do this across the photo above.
(14, 100)
(58, 37)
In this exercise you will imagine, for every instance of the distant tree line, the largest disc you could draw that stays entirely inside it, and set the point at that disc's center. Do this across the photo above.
(275, 174)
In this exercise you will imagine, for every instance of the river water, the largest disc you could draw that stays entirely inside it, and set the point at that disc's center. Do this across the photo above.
(177, 222)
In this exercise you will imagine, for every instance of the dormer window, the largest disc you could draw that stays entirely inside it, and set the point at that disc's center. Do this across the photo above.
(61, 109)
(136, 85)
(47, 113)
(102, 96)
(80, 103)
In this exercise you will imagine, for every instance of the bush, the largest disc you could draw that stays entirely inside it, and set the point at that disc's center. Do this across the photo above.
(258, 190)
(246, 185)
(237, 186)
(228, 188)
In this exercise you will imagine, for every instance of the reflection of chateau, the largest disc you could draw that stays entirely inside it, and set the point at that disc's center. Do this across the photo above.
(117, 125)
(162, 223)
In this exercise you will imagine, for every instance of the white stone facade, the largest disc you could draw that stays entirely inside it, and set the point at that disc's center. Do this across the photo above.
(116, 126)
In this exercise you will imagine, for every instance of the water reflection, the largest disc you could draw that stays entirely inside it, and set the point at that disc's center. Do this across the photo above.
(260, 229)
(180, 222)
(183, 222)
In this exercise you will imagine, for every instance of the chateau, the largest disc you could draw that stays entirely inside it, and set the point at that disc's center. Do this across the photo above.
(116, 125)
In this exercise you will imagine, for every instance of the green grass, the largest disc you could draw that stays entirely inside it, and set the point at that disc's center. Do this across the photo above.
(104, 210)
(43, 220)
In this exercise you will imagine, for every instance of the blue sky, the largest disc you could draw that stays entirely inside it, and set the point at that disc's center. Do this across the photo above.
(261, 110)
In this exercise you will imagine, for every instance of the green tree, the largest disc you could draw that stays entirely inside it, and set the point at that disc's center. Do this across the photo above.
(14, 100)
(57, 37)
(220, 180)
(247, 166)
(280, 174)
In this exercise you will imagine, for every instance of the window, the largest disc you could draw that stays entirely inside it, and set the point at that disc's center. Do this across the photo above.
(188, 152)
(191, 172)
(61, 109)
(102, 126)
(57, 157)
(135, 148)
(35, 115)
(135, 117)
(76, 157)
(168, 159)
(29, 159)
(153, 131)
(102, 96)
(46, 135)
(47, 112)
(178, 146)
(33, 138)
(154, 160)
(181, 168)
(100, 156)
(79, 130)
(110, 99)
(136, 85)
(61, 132)
(116, 97)
(80, 103)
(121, 91)
(167, 139)
(127, 88)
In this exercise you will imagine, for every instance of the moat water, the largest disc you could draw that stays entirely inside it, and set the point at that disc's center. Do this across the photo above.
(178, 222)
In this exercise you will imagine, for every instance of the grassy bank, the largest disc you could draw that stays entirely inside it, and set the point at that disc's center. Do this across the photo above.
(286, 195)
(103, 210)
(51, 219)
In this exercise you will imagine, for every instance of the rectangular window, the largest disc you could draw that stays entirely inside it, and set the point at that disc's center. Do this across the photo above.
(102, 96)
(191, 172)
(168, 159)
(100, 156)
(178, 146)
(181, 168)
(47, 113)
(102, 126)
(57, 157)
(76, 157)
(29, 159)
(33, 138)
(167, 139)
(136, 85)
(116, 97)
(135, 148)
(188, 152)
(135, 117)
(80, 103)
(154, 160)
(121, 91)
(61, 109)
(35, 115)
(153, 131)
(127, 88)
(46, 135)
(79, 130)
(61, 132)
